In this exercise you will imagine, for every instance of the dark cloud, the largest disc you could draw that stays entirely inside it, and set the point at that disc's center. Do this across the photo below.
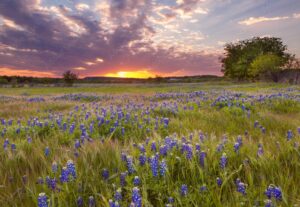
(55, 39)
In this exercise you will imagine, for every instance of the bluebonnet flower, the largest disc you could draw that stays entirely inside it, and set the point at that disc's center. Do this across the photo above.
(273, 191)
(123, 156)
(51, 183)
(64, 177)
(136, 197)
(105, 174)
(142, 148)
(263, 130)
(6, 143)
(171, 200)
(236, 146)
(223, 161)
(219, 181)
(123, 179)
(92, 202)
(42, 200)
(13, 147)
(239, 140)
(142, 159)
(184, 190)
(118, 194)
(111, 203)
(153, 146)
(163, 168)
(256, 123)
(40, 180)
(268, 203)
(203, 188)
(77, 144)
(163, 150)
(189, 152)
(79, 201)
(123, 131)
(130, 167)
(71, 168)
(260, 150)
(289, 135)
(197, 147)
(241, 187)
(47, 151)
(220, 147)
(298, 130)
(202, 157)
(136, 181)
(154, 165)
(29, 140)
(166, 122)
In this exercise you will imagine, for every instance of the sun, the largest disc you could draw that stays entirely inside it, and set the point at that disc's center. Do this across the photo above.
(131, 74)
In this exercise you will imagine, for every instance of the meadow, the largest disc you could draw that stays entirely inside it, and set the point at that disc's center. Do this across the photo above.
(193, 144)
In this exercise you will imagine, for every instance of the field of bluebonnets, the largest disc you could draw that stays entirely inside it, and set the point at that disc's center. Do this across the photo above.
(150, 145)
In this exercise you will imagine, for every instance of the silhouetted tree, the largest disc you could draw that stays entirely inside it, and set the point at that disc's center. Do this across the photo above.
(69, 77)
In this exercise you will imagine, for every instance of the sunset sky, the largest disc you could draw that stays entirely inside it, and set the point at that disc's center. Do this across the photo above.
(135, 38)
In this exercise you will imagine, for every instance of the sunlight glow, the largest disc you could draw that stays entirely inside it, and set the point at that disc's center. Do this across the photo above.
(131, 74)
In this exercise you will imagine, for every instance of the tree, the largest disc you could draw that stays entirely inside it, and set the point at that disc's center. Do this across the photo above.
(268, 65)
(69, 77)
(239, 56)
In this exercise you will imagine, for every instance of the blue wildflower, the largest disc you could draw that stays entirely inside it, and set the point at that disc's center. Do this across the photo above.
(123, 179)
(223, 161)
(64, 177)
(105, 174)
(79, 201)
(142, 159)
(202, 157)
(130, 167)
(241, 188)
(92, 202)
(42, 200)
(136, 181)
(219, 181)
(184, 190)
(153, 146)
(47, 151)
(71, 168)
(118, 195)
(163, 168)
(136, 197)
(154, 165)
(289, 135)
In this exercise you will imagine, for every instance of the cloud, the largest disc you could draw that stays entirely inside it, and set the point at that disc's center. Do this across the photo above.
(23, 72)
(255, 20)
(82, 7)
(119, 35)
(296, 15)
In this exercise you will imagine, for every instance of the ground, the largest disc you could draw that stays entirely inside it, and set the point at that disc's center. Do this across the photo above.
(196, 144)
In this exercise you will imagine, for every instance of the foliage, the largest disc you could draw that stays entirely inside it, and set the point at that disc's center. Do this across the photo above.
(268, 64)
(239, 56)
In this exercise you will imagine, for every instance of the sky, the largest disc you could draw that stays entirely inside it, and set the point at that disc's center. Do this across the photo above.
(135, 38)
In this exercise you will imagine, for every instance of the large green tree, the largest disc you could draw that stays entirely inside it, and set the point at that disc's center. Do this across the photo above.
(239, 56)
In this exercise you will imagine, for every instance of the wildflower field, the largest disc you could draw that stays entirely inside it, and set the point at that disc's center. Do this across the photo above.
(154, 145)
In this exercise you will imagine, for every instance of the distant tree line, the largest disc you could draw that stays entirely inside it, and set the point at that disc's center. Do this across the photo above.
(259, 57)
(69, 78)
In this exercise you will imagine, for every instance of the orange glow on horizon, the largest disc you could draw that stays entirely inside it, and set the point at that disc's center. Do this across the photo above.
(23, 72)
(131, 74)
